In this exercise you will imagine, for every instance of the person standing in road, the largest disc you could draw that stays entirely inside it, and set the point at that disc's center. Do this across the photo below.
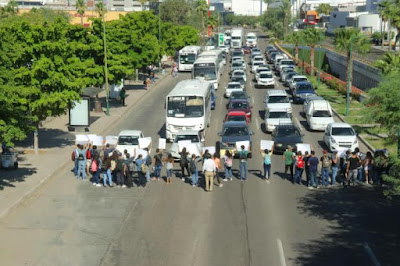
(148, 163)
(335, 166)
(142, 178)
(81, 162)
(368, 167)
(119, 170)
(122, 95)
(127, 171)
(313, 166)
(170, 168)
(157, 164)
(163, 67)
(243, 163)
(352, 167)
(266, 154)
(106, 169)
(88, 156)
(218, 165)
(306, 167)
(228, 160)
(95, 167)
(298, 175)
(152, 78)
(360, 170)
(184, 163)
(194, 171)
(209, 172)
(325, 165)
(288, 157)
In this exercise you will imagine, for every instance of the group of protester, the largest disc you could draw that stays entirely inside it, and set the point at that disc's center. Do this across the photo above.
(111, 164)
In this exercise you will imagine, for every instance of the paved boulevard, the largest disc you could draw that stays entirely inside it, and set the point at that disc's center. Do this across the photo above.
(70, 222)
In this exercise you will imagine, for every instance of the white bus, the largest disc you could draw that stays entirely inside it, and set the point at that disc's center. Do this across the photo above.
(187, 56)
(188, 107)
(208, 69)
(217, 53)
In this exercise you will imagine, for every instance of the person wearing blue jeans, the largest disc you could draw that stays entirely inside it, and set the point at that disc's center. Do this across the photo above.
(243, 163)
(158, 163)
(266, 154)
(298, 173)
(325, 165)
(107, 174)
(312, 163)
(228, 166)
(81, 152)
(195, 178)
(325, 176)
(335, 166)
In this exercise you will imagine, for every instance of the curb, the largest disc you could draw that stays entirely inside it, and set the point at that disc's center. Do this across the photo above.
(60, 170)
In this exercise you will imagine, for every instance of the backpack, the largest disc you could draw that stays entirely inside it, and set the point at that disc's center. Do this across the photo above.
(325, 162)
(73, 155)
(88, 154)
(300, 162)
(267, 159)
(144, 168)
(243, 155)
(119, 165)
(94, 166)
(148, 160)
(228, 162)
(113, 165)
(80, 156)
(192, 166)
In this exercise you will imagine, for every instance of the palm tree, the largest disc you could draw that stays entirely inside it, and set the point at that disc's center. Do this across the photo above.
(324, 9)
(80, 6)
(312, 37)
(285, 8)
(295, 38)
(212, 22)
(389, 62)
(100, 8)
(395, 17)
(347, 39)
(202, 9)
(384, 12)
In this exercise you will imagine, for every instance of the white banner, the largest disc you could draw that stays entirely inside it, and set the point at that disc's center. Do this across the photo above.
(142, 152)
(112, 140)
(81, 139)
(266, 144)
(245, 143)
(193, 149)
(92, 137)
(162, 144)
(303, 148)
(97, 140)
(144, 142)
(183, 144)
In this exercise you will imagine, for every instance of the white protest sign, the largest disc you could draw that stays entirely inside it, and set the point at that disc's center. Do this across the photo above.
(183, 144)
(112, 140)
(142, 152)
(91, 137)
(162, 144)
(211, 149)
(193, 149)
(266, 144)
(81, 139)
(97, 140)
(245, 143)
(144, 142)
(303, 148)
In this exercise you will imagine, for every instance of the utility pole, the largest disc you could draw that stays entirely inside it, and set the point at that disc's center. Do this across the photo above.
(319, 58)
(349, 74)
(105, 62)
(302, 51)
(159, 33)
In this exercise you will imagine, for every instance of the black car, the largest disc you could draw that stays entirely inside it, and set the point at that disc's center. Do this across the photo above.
(269, 47)
(232, 132)
(285, 135)
(239, 95)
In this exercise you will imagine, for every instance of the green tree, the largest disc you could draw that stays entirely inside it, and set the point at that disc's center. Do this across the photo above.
(313, 37)
(384, 8)
(9, 10)
(348, 40)
(80, 6)
(286, 11)
(175, 11)
(324, 9)
(295, 38)
(383, 103)
(388, 63)
(142, 3)
(395, 18)
(272, 21)
(212, 22)
(201, 8)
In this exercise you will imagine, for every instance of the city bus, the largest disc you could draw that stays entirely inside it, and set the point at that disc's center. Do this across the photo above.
(208, 69)
(219, 55)
(187, 56)
(188, 107)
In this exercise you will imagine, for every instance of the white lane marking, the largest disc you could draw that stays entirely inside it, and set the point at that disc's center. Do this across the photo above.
(371, 254)
(258, 123)
(252, 99)
(281, 253)
(299, 125)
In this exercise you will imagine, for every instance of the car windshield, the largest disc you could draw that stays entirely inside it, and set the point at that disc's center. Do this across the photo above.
(239, 105)
(261, 69)
(234, 86)
(288, 132)
(278, 115)
(257, 63)
(239, 118)
(128, 140)
(187, 58)
(287, 63)
(238, 95)
(290, 75)
(251, 37)
(237, 79)
(237, 64)
(322, 113)
(192, 138)
(304, 87)
(208, 73)
(185, 106)
(235, 131)
(238, 73)
(237, 53)
(258, 59)
(299, 79)
(342, 131)
(278, 99)
(265, 76)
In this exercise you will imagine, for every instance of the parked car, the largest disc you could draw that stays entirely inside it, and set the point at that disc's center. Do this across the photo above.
(285, 135)
(275, 117)
(239, 73)
(231, 87)
(238, 65)
(236, 95)
(277, 99)
(302, 90)
(255, 65)
(309, 99)
(285, 72)
(240, 80)
(288, 76)
(238, 116)
(259, 69)
(240, 105)
(231, 133)
(319, 115)
(266, 79)
(194, 136)
(340, 136)
(129, 140)
(296, 78)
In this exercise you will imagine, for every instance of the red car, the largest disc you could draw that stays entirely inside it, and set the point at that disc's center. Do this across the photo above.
(240, 105)
(237, 116)
(247, 50)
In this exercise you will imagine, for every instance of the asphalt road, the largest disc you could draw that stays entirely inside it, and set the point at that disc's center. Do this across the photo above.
(71, 222)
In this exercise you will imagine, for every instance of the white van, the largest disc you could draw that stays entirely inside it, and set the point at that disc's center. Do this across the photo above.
(319, 114)
(129, 140)
(277, 99)
(275, 117)
(340, 135)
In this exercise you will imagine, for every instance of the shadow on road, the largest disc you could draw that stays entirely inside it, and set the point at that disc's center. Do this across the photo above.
(362, 216)
(10, 176)
(49, 138)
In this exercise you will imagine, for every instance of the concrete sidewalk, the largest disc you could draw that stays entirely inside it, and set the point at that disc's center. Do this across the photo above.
(56, 145)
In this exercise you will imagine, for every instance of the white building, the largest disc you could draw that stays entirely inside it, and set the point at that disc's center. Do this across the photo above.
(243, 7)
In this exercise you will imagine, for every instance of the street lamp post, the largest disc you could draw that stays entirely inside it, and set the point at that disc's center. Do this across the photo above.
(105, 62)
(159, 33)
(349, 74)
(319, 59)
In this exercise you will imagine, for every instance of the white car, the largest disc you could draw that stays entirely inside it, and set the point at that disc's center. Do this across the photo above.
(239, 73)
(194, 136)
(297, 78)
(129, 140)
(285, 63)
(261, 68)
(309, 99)
(236, 58)
(259, 58)
(275, 117)
(319, 114)
(232, 86)
(253, 56)
(255, 65)
(340, 136)
(224, 48)
(266, 78)
(277, 99)
(284, 73)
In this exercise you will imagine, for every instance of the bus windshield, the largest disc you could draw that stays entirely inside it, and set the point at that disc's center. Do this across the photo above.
(185, 106)
(187, 58)
(208, 73)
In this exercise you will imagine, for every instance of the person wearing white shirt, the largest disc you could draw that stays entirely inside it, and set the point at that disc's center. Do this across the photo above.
(209, 171)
